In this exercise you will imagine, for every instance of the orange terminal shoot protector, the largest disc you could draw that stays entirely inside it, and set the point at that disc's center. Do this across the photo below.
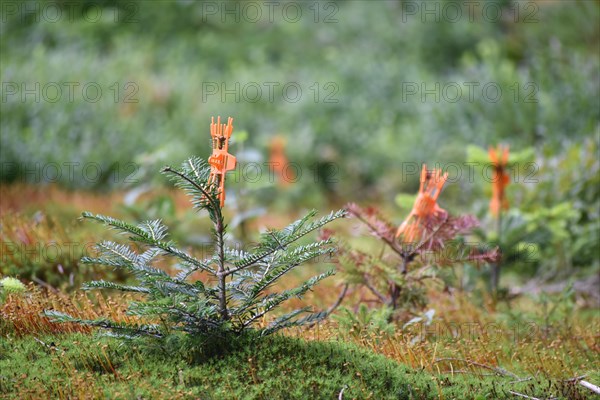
(425, 208)
(220, 160)
(279, 160)
(500, 179)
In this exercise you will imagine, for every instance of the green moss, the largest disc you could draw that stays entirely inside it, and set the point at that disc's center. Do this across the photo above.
(276, 367)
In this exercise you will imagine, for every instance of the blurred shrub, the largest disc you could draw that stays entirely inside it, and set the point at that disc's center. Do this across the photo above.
(352, 71)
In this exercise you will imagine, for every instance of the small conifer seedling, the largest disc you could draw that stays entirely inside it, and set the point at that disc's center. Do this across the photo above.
(238, 293)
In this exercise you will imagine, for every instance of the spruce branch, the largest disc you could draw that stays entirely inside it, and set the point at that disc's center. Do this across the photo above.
(288, 321)
(115, 286)
(144, 237)
(294, 234)
(122, 328)
(213, 206)
(270, 302)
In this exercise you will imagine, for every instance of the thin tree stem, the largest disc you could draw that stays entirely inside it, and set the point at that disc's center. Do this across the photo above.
(219, 227)
(495, 278)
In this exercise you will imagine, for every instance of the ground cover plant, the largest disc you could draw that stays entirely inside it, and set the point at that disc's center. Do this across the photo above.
(421, 361)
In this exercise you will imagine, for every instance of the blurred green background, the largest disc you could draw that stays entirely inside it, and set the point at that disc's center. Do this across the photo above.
(106, 92)
(355, 63)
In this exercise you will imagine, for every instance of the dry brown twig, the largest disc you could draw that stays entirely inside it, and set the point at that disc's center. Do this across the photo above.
(496, 370)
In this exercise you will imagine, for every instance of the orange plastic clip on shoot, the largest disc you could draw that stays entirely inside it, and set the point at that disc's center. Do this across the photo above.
(279, 161)
(425, 207)
(500, 178)
(220, 161)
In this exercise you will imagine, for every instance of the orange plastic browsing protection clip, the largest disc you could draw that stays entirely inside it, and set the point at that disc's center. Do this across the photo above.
(425, 208)
(220, 161)
(500, 178)
(279, 162)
